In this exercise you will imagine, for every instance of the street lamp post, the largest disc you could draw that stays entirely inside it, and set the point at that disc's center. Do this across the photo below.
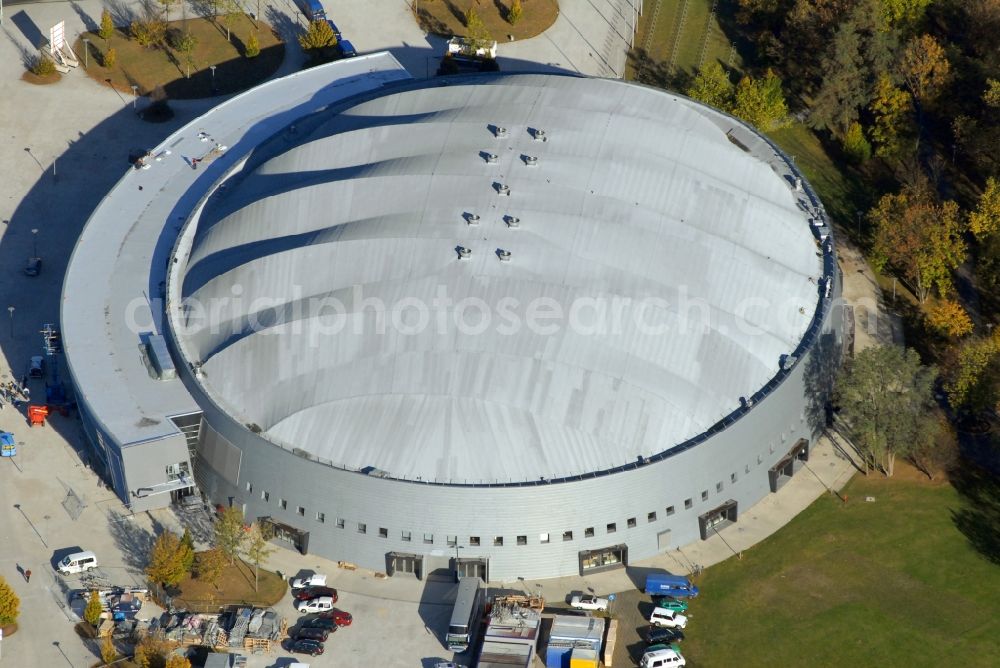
(10, 309)
(134, 95)
(212, 67)
(86, 52)
(859, 212)
(34, 242)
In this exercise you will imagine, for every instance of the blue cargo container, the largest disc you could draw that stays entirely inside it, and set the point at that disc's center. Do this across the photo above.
(558, 656)
(664, 584)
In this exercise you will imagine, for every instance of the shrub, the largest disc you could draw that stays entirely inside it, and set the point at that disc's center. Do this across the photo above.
(856, 145)
(43, 65)
(108, 651)
(253, 46)
(318, 36)
(515, 12)
(10, 605)
(110, 58)
(92, 613)
(148, 32)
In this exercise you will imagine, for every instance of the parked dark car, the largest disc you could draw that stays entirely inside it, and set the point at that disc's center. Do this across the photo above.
(655, 635)
(339, 617)
(310, 647)
(307, 593)
(33, 267)
(311, 633)
(323, 623)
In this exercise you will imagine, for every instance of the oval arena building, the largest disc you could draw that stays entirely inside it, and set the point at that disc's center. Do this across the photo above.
(517, 325)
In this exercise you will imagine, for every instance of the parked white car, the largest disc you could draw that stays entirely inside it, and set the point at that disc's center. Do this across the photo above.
(321, 604)
(588, 602)
(669, 618)
(314, 580)
(662, 658)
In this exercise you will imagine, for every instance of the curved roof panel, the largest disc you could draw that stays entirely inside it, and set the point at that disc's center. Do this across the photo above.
(657, 273)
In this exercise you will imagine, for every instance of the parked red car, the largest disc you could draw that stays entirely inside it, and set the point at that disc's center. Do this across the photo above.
(339, 617)
(307, 593)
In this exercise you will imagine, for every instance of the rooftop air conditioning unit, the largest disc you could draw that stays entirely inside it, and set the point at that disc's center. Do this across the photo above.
(491, 158)
(504, 255)
(539, 135)
(471, 218)
(464, 253)
(798, 184)
(530, 160)
(499, 132)
(503, 190)
(512, 221)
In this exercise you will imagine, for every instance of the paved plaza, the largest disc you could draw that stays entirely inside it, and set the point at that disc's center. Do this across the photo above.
(62, 147)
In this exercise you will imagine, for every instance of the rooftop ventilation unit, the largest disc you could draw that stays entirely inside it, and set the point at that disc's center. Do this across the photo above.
(490, 158)
(798, 184)
(499, 132)
(159, 357)
(471, 218)
(787, 362)
(463, 252)
(530, 160)
(538, 135)
(503, 190)
(504, 255)
(512, 221)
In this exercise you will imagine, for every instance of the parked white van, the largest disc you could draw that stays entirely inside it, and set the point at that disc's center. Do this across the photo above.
(78, 563)
(662, 658)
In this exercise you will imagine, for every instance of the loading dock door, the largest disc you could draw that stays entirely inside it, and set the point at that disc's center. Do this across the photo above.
(714, 520)
(782, 472)
(471, 568)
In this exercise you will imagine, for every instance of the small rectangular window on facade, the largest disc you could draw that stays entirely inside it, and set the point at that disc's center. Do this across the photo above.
(383, 532)
(704, 495)
(567, 535)
(406, 536)
(428, 539)
(497, 541)
(631, 523)
(340, 522)
(522, 540)
(651, 517)
(452, 541)
(321, 518)
(612, 527)
(670, 511)
(362, 527)
(588, 532)
(718, 486)
(474, 541)
(747, 469)
(543, 538)
(301, 511)
(265, 496)
(282, 504)
(687, 504)
(732, 477)
(250, 487)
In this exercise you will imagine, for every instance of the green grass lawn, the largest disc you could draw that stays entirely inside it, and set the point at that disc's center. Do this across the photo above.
(889, 583)
(661, 30)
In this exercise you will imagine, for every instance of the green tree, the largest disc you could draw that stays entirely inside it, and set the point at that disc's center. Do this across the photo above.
(712, 86)
(107, 29)
(318, 36)
(166, 563)
(985, 219)
(185, 44)
(148, 32)
(886, 398)
(230, 533)
(897, 12)
(760, 102)
(478, 34)
(515, 12)
(10, 604)
(973, 381)
(110, 58)
(231, 13)
(947, 317)
(92, 613)
(919, 237)
(209, 566)
(252, 46)
(257, 549)
(187, 551)
(991, 96)
(856, 144)
(893, 112)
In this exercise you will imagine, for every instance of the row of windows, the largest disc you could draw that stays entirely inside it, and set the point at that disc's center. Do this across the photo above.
(498, 541)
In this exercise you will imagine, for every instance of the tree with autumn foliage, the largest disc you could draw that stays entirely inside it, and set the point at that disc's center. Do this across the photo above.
(984, 221)
(892, 109)
(712, 86)
(168, 559)
(920, 238)
(972, 381)
(10, 604)
(925, 68)
(760, 101)
(947, 317)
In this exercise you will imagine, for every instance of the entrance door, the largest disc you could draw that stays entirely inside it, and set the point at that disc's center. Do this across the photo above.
(408, 564)
(472, 568)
